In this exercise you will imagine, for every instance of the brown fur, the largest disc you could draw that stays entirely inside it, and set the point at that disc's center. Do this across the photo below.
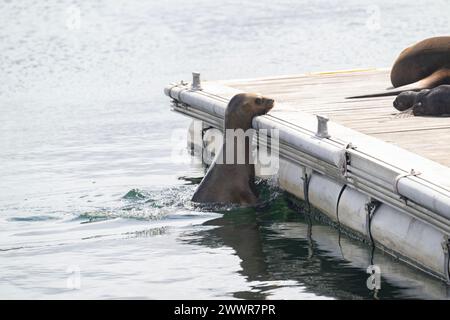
(434, 102)
(424, 65)
(234, 183)
(427, 62)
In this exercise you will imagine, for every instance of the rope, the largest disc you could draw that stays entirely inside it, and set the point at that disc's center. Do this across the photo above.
(371, 207)
(337, 203)
(446, 248)
(306, 180)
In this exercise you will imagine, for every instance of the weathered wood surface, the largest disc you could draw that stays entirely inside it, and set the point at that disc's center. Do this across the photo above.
(325, 94)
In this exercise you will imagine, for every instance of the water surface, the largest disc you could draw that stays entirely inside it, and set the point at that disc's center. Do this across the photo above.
(92, 204)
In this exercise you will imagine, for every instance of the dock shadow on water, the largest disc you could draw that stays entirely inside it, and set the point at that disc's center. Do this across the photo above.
(273, 251)
(286, 252)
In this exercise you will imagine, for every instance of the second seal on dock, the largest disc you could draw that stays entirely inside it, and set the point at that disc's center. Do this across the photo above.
(231, 177)
(427, 102)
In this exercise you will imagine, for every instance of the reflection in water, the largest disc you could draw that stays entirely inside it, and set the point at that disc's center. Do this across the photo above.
(277, 244)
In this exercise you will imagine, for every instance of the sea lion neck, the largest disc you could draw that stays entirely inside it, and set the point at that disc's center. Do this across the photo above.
(238, 120)
(230, 179)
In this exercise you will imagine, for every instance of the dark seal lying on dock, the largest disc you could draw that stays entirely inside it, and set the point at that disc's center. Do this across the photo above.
(427, 102)
(233, 182)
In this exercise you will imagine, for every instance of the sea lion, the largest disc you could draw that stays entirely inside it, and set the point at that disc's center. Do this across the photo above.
(407, 99)
(427, 63)
(434, 102)
(231, 181)
(424, 65)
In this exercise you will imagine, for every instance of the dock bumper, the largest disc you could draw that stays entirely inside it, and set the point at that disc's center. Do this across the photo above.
(411, 220)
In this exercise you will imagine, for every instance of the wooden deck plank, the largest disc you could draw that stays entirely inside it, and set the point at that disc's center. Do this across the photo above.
(326, 94)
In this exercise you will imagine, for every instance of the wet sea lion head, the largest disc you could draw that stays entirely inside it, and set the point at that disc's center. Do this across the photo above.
(405, 100)
(243, 107)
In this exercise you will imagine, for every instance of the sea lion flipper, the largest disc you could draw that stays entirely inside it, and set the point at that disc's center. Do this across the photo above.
(390, 92)
(437, 78)
(416, 86)
(421, 60)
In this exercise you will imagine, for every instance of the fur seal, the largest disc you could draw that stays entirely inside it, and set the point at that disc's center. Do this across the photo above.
(424, 65)
(408, 99)
(233, 183)
(427, 102)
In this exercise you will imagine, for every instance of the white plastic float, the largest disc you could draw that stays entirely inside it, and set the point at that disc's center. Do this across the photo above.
(347, 176)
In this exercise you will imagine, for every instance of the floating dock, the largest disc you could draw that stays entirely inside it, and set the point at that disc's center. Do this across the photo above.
(377, 173)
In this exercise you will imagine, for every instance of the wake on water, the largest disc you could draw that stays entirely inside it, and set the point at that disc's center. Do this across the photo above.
(172, 203)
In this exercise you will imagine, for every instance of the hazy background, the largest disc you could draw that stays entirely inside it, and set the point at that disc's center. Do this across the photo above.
(87, 187)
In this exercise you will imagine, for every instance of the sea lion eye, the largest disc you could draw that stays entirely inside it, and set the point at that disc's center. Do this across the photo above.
(258, 101)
